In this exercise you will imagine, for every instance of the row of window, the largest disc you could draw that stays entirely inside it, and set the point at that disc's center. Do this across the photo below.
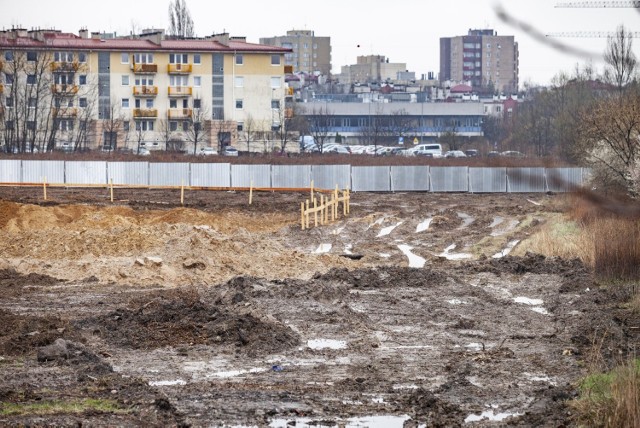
(58, 79)
(32, 56)
(149, 103)
(140, 125)
(32, 102)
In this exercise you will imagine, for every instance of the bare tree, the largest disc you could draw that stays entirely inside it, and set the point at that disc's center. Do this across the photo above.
(319, 120)
(180, 22)
(199, 127)
(620, 59)
(374, 130)
(249, 129)
(111, 126)
(167, 135)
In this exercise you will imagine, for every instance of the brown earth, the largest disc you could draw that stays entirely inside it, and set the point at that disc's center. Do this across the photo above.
(224, 313)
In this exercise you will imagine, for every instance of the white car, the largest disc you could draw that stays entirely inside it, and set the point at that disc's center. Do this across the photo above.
(455, 154)
(230, 151)
(207, 151)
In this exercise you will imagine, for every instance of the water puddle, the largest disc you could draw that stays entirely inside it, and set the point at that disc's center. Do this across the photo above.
(236, 373)
(506, 229)
(474, 346)
(453, 256)
(466, 220)
(387, 230)
(528, 301)
(385, 255)
(510, 246)
(323, 248)
(540, 310)
(326, 344)
(167, 382)
(496, 221)
(337, 231)
(348, 248)
(424, 225)
(415, 261)
(380, 421)
(534, 202)
(490, 415)
(456, 302)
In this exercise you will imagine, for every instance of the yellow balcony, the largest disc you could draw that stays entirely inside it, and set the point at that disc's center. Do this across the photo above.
(141, 113)
(1, 88)
(1, 65)
(179, 113)
(179, 68)
(65, 67)
(66, 112)
(288, 69)
(145, 91)
(144, 68)
(180, 91)
(62, 89)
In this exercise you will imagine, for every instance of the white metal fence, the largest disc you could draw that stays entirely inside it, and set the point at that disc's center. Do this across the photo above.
(355, 178)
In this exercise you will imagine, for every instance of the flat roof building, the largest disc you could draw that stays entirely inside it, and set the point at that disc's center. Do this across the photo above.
(309, 53)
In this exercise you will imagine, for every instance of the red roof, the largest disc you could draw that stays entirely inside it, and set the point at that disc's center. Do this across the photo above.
(461, 89)
(56, 40)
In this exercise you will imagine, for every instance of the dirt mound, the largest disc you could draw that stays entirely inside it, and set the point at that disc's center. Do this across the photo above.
(427, 407)
(385, 277)
(180, 317)
(529, 263)
(13, 283)
(22, 334)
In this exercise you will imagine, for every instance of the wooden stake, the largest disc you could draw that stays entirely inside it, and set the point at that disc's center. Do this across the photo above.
(321, 208)
(44, 187)
(307, 213)
(182, 192)
(111, 188)
(251, 192)
(302, 214)
(311, 190)
(315, 212)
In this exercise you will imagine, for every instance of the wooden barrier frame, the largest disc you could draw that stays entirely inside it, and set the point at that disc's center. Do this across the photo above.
(327, 204)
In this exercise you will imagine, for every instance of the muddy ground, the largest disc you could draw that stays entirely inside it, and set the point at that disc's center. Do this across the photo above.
(220, 313)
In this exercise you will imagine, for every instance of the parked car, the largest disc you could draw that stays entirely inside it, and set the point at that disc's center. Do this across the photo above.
(455, 154)
(230, 151)
(336, 148)
(143, 151)
(207, 151)
(472, 153)
(430, 150)
(493, 154)
(512, 154)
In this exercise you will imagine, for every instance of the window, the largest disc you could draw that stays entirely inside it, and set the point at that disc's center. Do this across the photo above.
(144, 125)
(125, 80)
(173, 103)
(82, 57)
(32, 56)
(143, 58)
(137, 103)
(65, 124)
(63, 56)
(124, 58)
(149, 103)
(144, 81)
(63, 79)
(197, 103)
(240, 126)
(9, 125)
(31, 125)
(125, 126)
(125, 103)
(31, 79)
(239, 82)
(239, 59)
(185, 126)
(178, 58)
(82, 79)
(8, 78)
(197, 81)
(8, 56)
(178, 80)
(196, 58)
(275, 59)
(8, 102)
(239, 104)
(33, 101)
(275, 104)
(275, 82)
(82, 102)
(173, 126)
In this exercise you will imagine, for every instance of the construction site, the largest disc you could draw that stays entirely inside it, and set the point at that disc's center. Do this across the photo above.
(406, 309)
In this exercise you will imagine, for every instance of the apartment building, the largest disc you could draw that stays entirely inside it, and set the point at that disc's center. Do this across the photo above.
(371, 69)
(309, 53)
(90, 92)
(483, 58)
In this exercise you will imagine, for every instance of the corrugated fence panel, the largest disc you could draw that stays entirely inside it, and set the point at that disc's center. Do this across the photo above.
(370, 178)
(243, 175)
(168, 174)
(449, 178)
(130, 173)
(34, 171)
(211, 174)
(10, 171)
(564, 179)
(526, 180)
(330, 176)
(409, 178)
(291, 176)
(487, 180)
(85, 172)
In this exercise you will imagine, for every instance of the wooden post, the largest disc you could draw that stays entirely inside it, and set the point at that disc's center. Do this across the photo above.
(182, 192)
(44, 187)
(322, 209)
(302, 214)
(311, 190)
(111, 188)
(348, 200)
(306, 217)
(335, 206)
(251, 192)
(315, 212)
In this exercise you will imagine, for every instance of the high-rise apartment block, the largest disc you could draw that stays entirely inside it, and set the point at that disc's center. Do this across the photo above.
(92, 91)
(482, 58)
(310, 53)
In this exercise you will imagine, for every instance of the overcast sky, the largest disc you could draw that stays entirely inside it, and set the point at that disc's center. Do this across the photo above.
(405, 31)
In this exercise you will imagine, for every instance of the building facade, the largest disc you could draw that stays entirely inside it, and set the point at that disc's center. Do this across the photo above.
(309, 53)
(148, 90)
(370, 69)
(482, 58)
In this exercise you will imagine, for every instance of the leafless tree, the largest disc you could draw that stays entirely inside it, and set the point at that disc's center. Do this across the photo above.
(199, 127)
(398, 125)
(249, 130)
(319, 120)
(180, 22)
(168, 136)
(374, 130)
(620, 59)
(111, 127)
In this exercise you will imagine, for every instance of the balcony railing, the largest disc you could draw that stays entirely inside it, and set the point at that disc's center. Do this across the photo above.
(149, 112)
(179, 68)
(144, 68)
(65, 67)
(62, 89)
(179, 113)
(145, 91)
(180, 91)
(66, 112)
